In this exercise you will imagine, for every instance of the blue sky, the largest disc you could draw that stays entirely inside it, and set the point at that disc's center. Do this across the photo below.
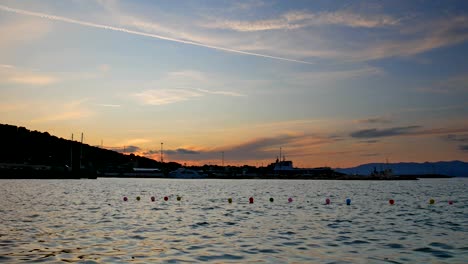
(334, 83)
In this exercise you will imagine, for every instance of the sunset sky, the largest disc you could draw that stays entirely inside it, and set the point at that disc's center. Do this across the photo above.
(334, 83)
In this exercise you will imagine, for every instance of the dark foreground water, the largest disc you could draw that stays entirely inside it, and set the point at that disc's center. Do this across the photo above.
(87, 221)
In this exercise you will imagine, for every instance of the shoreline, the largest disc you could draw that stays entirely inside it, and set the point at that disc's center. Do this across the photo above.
(77, 176)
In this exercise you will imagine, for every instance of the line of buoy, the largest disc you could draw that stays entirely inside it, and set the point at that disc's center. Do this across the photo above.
(290, 200)
(348, 201)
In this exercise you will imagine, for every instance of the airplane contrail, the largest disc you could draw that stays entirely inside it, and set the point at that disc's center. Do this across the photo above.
(101, 26)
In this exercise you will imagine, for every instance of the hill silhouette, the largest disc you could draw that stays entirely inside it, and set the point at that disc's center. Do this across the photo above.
(22, 146)
(451, 168)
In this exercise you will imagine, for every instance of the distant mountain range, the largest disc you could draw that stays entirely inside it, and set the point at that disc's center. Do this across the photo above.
(450, 168)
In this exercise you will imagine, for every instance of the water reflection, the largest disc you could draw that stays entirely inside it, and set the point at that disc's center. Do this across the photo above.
(74, 221)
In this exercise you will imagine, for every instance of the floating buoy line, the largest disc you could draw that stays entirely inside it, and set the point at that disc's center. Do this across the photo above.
(271, 199)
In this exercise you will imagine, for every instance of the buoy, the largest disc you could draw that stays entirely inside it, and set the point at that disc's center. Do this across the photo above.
(138, 198)
(290, 200)
(251, 200)
(450, 202)
(179, 198)
(229, 200)
(348, 201)
(431, 201)
(166, 198)
(391, 201)
(125, 199)
(327, 201)
(272, 200)
(153, 199)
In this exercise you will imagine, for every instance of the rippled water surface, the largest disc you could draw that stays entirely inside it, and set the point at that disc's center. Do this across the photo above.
(88, 221)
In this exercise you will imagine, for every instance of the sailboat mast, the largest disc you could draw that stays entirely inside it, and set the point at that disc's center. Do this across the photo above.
(81, 150)
(71, 153)
(280, 163)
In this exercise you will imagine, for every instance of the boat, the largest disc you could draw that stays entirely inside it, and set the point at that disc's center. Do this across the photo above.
(183, 173)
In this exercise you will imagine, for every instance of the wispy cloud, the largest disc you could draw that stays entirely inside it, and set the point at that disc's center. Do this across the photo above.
(333, 75)
(19, 32)
(188, 74)
(247, 5)
(302, 19)
(135, 141)
(151, 152)
(458, 83)
(31, 79)
(441, 131)
(170, 96)
(433, 109)
(181, 151)
(226, 93)
(109, 105)
(374, 120)
(14, 74)
(369, 141)
(65, 116)
(185, 85)
(405, 131)
(262, 148)
(463, 148)
(125, 149)
(456, 138)
(133, 32)
(11, 74)
(165, 96)
(10, 107)
(299, 34)
(387, 132)
(73, 110)
(416, 38)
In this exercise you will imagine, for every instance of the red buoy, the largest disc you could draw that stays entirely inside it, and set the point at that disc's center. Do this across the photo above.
(125, 199)
(166, 198)
(391, 201)
(153, 199)
(251, 200)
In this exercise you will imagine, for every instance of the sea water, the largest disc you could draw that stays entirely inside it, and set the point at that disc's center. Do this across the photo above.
(87, 221)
